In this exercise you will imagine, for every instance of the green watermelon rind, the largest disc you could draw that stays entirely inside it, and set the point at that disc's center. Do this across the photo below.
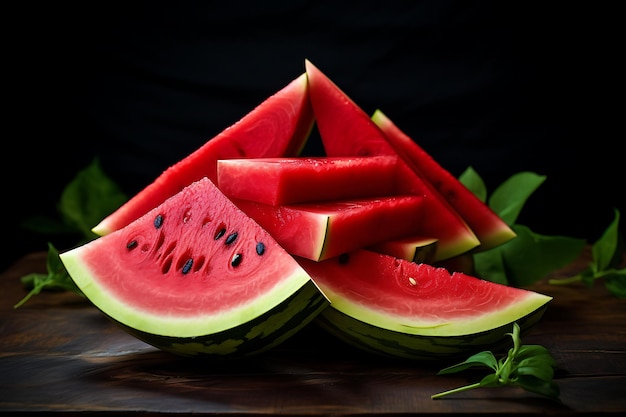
(490, 229)
(250, 338)
(283, 139)
(179, 327)
(381, 341)
(532, 301)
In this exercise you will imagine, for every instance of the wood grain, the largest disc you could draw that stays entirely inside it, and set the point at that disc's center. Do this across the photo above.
(59, 354)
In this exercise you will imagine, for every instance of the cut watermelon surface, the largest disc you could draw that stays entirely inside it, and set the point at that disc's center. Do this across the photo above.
(392, 306)
(279, 181)
(346, 130)
(489, 228)
(196, 276)
(326, 229)
(418, 249)
(345, 240)
(278, 127)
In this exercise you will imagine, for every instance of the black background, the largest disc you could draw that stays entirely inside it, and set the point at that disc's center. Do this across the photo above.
(500, 86)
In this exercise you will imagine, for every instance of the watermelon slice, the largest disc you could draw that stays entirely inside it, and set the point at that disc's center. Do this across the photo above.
(279, 126)
(346, 130)
(279, 181)
(394, 307)
(322, 230)
(195, 276)
(489, 228)
(418, 249)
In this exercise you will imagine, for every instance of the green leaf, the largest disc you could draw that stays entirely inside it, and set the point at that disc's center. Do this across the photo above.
(534, 352)
(480, 359)
(56, 278)
(474, 183)
(540, 371)
(510, 197)
(604, 248)
(530, 256)
(529, 366)
(88, 198)
(615, 282)
(542, 387)
(490, 380)
(489, 265)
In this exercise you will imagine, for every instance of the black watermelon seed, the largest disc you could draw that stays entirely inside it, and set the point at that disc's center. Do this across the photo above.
(260, 248)
(344, 258)
(131, 245)
(158, 221)
(236, 259)
(220, 233)
(231, 238)
(187, 266)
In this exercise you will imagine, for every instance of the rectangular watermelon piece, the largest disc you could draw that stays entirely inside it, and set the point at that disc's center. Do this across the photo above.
(322, 230)
(279, 181)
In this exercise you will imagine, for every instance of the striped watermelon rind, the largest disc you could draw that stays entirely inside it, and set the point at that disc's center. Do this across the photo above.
(195, 276)
(394, 307)
(250, 338)
(381, 341)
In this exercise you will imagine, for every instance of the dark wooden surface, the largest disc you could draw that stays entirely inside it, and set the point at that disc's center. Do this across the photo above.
(59, 354)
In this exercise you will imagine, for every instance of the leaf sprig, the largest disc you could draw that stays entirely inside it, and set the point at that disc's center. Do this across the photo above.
(605, 259)
(530, 367)
(89, 197)
(56, 278)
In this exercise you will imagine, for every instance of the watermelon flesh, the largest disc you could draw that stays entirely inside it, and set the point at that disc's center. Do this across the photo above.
(278, 127)
(280, 181)
(489, 228)
(392, 306)
(326, 229)
(192, 268)
(419, 249)
(346, 130)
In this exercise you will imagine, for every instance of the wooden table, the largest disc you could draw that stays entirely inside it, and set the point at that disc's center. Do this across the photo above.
(59, 354)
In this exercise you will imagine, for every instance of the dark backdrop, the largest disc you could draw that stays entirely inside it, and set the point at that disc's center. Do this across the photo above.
(500, 86)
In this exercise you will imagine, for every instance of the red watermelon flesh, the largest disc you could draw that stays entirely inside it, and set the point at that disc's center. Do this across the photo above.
(192, 266)
(278, 127)
(489, 228)
(321, 230)
(407, 297)
(346, 130)
(420, 249)
(279, 181)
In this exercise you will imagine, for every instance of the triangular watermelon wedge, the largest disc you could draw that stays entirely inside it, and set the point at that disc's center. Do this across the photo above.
(346, 130)
(196, 276)
(394, 307)
(279, 126)
(489, 228)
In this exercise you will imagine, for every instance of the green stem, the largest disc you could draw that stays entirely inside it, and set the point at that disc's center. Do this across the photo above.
(453, 391)
(565, 281)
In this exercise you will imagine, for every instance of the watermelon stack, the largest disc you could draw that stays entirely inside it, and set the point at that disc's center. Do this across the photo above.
(241, 244)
